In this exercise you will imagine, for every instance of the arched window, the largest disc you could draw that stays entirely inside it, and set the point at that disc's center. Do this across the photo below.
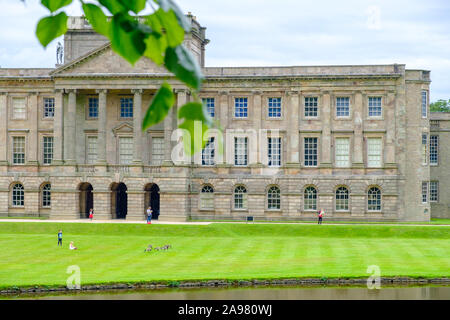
(374, 199)
(342, 199)
(207, 198)
(273, 198)
(310, 199)
(47, 196)
(240, 197)
(18, 195)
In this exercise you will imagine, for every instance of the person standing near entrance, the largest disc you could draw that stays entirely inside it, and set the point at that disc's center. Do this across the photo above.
(321, 213)
(60, 238)
(149, 215)
(91, 214)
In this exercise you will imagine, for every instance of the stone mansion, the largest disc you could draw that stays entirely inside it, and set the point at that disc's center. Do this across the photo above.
(358, 141)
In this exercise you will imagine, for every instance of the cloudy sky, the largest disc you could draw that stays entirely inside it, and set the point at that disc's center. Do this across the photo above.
(282, 32)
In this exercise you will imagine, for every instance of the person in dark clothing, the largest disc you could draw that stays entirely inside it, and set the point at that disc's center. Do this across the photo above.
(321, 212)
(60, 238)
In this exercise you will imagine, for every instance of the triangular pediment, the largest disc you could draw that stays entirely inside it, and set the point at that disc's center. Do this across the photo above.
(104, 61)
(123, 128)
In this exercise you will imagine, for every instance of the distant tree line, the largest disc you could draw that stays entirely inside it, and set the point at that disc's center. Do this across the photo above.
(440, 106)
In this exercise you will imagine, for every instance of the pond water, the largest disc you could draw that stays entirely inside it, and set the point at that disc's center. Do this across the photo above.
(258, 293)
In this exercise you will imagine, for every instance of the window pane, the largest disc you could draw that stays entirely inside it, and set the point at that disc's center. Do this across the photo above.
(207, 198)
(310, 199)
(125, 150)
(91, 150)
(311, 106)
(424, 192)
(374, 152)
(46, 196)
(374, 199)
(240, 151)
(424, 148)
(374, 106)
(273, 198)
(310, 152)
(424, 104)
(19, 108)
(343, 107)
(240, 107)
(18, 196)
(274, 151)
(210, 105)
(434, 191)
(49, 107)
(240, 198)
(93, 107)
(157, 150)
(126, 107)
(48, 150)
(342, 152)
(342, 199)
(18, 150)
(208, 153)
(274, 105)
(434, 149)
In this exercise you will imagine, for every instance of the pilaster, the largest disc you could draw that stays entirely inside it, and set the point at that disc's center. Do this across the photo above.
(3, 129)
(58, 126)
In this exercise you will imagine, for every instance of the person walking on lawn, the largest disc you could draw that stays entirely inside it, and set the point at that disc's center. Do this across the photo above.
(60, 238)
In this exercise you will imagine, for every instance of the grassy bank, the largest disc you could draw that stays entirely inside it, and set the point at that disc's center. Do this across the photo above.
(114, 252)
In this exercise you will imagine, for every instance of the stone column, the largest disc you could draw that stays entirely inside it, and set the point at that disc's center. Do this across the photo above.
(33, 138)
(58, 126)
(3, 129)
(70, 143)
(390, 129)
(168, 128)
(292, 117)
(257, 120)
(102, 119)
(358, 144)
(325, 159)
(137, 127)
(102, 204)
(136, 205)
(223, 120)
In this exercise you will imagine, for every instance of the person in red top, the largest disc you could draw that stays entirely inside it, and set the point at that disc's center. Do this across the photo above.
(91, 214)
(321, 213)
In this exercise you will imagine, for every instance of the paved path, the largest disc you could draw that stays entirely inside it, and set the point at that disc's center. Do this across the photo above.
(210, 222)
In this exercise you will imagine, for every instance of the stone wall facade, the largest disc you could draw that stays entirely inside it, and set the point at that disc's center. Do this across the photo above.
(272, 193)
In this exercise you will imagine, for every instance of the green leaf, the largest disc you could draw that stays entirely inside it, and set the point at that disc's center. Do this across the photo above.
(173, 31)
(97, 18)
(51, 27)
(196, 121)
(54, 5)
(114, 6)
(134, 5)
(155, 47)
(159, 106)
(167, 5)
(182, 63)
(126, 39)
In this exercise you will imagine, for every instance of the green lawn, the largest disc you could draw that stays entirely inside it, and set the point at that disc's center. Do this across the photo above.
(114, 252)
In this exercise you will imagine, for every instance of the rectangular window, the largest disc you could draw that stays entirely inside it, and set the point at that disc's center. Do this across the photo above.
(157, 150)
(374, 106)
(47, 150)
(274, 151)
(424, 104)
(424, 192)
(342, 152)
(311, 108)
(210, 106)
(208, 153)
(342, 107)
(125, 150)
(93, 107)
(241, 107)
(434, 191)
(240, 151)
(18, 150)
(274, 109)
(374, 152)
(310, 152)
(91, 150)
(126, 107)
(19, 108)
(434, 150)
(49, 107)
(424, 148)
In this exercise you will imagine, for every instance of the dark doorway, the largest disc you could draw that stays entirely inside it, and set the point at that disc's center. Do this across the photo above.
(86, 199)
(119, 200)
(152, 199)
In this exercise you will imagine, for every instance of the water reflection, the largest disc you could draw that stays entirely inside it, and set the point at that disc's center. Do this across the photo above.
(261, 293)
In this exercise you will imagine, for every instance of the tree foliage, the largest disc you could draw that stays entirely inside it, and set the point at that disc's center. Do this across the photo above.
(440, 106)
(158, 36)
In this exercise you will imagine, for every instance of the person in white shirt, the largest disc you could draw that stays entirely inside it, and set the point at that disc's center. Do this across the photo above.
(71, 246)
